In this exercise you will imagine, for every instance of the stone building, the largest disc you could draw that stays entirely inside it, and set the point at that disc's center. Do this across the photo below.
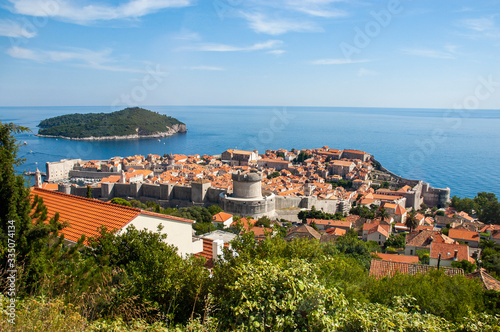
(59, 170)
(247, 198)
(239, 157)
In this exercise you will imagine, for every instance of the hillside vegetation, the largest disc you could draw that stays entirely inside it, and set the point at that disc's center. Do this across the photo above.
(130, 121)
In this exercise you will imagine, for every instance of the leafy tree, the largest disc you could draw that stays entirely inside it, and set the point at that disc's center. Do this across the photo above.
(363, 212)
(268, 296)
(204, 227)
(314, 226)
(274, 175)
(341, 183)
(440, 213)
(214, 209)
(411, 220)
(263, 221)
(449, 297)
(423, 256)
(463, 204)
(301, 157)
(382, 213)
(318, 214)
(396, 241)
(488, 208)
(467, 266)
(121, 201)
(152, 279)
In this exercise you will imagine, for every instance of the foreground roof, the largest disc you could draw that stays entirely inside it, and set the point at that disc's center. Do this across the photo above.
(487, 280)
(85, 216)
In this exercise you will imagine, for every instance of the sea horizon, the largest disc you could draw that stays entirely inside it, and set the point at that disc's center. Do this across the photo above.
(423, 144)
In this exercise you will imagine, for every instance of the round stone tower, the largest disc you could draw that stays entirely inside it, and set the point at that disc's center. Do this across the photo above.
(247, 185)
(171, 159)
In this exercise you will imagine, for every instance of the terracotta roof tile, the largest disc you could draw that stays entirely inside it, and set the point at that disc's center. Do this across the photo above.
(487, 280)
(463, 234)
(397, 258)
(447, 251)
(221, 216)
(380, 268)
(84, 216)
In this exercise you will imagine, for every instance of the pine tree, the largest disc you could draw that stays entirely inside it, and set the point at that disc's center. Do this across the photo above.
(33, 241)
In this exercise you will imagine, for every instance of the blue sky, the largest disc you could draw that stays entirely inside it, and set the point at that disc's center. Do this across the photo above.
(421, 54)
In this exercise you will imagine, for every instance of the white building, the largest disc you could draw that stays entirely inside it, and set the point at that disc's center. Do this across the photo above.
(86, 216)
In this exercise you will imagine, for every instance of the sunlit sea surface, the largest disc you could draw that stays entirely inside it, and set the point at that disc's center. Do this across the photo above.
(442, 147)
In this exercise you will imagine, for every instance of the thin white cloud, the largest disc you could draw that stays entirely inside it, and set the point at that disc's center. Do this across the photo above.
(339, 61)
(187, 35)
(13, 29)
(261, 23)
(479, 24)
(82, 57)
(430, 53)
(484, 27)
(23, 53)
(277, 52)
(211, 47)
(206, 68)
(74, 11)
(320, 8)
(366, 72)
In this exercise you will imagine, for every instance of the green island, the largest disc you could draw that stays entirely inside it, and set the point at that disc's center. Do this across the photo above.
(129, 123)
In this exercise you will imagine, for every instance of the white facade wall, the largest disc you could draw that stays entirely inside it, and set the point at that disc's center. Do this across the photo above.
(59, 170)
(179, 233)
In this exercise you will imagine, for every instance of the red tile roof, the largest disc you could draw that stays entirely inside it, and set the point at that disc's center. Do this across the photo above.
(397, 258)
(422, 227)
(424, 238)
(463, 234)
(336, 231)
(166, 216)
(84, 216)
(447, 251)
(332, 223)
(221, 217)
(380, 269)
(487, 280)
(382, 229)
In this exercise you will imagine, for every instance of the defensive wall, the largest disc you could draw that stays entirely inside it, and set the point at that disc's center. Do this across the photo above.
(421, 192)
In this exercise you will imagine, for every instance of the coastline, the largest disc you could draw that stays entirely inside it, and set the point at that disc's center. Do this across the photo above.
(172, 131)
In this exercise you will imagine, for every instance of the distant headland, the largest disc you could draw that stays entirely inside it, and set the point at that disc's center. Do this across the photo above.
(129, 123)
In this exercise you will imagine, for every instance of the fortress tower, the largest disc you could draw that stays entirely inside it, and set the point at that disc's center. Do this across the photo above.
(247, 198)
(247, 185)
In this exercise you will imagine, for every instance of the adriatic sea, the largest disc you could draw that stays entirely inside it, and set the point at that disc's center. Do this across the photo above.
(446, 148)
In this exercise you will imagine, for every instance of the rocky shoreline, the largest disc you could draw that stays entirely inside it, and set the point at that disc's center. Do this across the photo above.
(172, 131)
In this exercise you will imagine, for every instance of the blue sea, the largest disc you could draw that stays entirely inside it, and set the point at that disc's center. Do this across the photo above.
(447, 148)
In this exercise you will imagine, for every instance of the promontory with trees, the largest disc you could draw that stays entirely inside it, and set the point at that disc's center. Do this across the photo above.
(129, 123)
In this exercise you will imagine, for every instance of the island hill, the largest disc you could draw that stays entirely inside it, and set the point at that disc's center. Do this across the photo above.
(129, 123)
